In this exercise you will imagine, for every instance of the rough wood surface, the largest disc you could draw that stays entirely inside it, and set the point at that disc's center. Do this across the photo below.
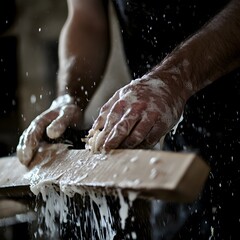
(154, 174)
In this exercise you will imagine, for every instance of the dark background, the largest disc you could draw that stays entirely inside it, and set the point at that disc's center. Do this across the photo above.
(28, 63)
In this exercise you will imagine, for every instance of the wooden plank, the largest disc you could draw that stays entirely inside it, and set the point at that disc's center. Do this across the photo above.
(153, 174)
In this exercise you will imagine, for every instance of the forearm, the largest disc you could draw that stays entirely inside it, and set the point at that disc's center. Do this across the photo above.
(83, 52)
(206, 56)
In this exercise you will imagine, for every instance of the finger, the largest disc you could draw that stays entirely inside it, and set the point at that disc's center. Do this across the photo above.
(24, 153)
(29, 140)
(120, 132)
(114, 116)
(125, 127)
(140, 131)
(153, 137)
(104, 111)
(68, 115)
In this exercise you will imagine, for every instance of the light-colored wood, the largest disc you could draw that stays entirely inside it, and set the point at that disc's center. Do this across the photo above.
(153, 174)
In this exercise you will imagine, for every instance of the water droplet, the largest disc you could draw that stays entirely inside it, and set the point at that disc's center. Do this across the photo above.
(33, 99)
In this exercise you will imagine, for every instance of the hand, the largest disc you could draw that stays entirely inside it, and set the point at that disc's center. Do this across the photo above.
(61, 114)
(137, 115)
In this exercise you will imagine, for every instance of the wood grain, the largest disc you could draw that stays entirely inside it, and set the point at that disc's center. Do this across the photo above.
(153, 174)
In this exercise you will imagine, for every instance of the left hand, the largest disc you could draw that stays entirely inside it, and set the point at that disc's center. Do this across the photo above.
(137, 115)
(62, 113)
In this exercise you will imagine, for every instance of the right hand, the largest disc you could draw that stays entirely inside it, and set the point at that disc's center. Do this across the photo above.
(62, 113)
(137, 115)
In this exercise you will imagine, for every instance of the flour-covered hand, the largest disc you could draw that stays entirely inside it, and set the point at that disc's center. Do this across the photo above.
(137, 115)
(62, 113)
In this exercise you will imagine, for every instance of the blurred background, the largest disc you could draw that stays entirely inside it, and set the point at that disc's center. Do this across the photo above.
(29, 32)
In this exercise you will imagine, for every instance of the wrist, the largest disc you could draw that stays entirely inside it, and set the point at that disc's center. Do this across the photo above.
(175, 74)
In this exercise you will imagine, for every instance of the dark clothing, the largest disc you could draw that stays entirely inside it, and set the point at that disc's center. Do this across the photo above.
(211, 124)
(152, 29)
